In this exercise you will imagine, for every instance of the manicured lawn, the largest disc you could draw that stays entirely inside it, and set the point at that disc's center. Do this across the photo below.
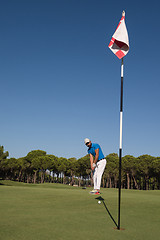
(59, 212)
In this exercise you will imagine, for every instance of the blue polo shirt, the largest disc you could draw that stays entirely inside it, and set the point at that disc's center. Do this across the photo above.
(92, 149)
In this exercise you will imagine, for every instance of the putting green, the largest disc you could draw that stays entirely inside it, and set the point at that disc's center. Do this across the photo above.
(60, 212)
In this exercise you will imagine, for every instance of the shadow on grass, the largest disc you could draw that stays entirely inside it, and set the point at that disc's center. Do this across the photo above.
(102, 199)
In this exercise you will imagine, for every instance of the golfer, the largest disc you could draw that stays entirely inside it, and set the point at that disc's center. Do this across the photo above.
(98, 163)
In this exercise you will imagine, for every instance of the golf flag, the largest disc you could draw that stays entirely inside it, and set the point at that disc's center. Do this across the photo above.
(119, 43)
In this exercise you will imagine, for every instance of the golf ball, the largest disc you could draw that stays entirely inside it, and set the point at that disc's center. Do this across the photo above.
(99, 202)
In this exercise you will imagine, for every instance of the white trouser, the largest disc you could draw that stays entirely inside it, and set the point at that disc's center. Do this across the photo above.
(97, 174)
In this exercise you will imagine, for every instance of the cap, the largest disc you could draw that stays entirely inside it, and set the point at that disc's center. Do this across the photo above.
(86, 140)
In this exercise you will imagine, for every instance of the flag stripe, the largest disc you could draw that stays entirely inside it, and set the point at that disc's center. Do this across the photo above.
(120, 142)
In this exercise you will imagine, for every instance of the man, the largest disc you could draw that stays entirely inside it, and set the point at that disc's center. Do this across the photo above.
(98, 163)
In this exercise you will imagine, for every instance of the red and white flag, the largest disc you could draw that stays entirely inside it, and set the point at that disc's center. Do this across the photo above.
(119, 43)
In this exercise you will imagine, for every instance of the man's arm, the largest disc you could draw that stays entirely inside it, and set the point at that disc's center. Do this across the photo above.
(91, 159)
(96, 156)
(93, 163)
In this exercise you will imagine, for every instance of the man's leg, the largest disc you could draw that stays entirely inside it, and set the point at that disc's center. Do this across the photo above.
(100, 169)
(95, 177)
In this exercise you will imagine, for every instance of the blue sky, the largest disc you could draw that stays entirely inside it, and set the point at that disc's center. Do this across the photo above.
(60, 82)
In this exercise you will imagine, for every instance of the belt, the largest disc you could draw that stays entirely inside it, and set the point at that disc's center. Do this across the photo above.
(101, 159)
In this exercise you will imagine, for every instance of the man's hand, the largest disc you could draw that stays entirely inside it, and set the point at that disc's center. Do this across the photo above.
(93, 166)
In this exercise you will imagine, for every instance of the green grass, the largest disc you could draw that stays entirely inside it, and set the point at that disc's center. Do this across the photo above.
(55, 211)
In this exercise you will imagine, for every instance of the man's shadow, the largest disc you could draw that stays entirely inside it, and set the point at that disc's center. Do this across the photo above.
(102, 199)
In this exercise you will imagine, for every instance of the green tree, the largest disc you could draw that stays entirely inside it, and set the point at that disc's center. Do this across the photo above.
(82, 166)
(53, 168)
(45, 164)
(63, 168)
(29, 168)
(72, 169)
(129, 166)
(3, 157)
(145, 166)
(111, 170)
(156, 172)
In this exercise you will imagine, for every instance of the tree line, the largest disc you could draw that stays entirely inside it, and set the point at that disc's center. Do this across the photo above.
(141, 172)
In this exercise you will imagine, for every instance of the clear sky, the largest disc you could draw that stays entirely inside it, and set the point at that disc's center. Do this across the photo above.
(60, 83)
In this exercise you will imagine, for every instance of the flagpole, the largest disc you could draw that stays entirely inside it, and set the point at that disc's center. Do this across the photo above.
(120, 145)
(119, 45)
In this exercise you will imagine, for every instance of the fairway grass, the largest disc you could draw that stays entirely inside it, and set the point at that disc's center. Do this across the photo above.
(60, 212)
